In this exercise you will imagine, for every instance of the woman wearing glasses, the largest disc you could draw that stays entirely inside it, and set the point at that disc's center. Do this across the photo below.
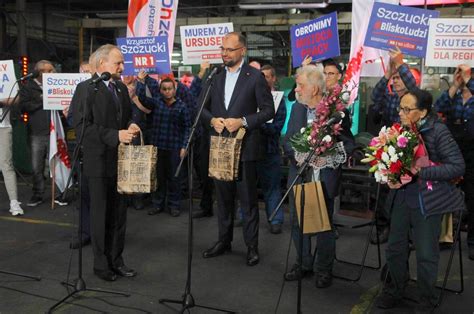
(406, 212)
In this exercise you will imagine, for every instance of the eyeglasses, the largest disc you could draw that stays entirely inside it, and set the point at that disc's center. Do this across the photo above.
(229, 50)
(406, 110)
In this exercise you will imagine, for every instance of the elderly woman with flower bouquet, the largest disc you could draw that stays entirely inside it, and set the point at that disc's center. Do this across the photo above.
(423, 157)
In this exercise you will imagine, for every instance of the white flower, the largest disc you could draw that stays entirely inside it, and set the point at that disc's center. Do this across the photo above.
(302, 130)
(327, 138)
(382, 166)
(377, 176)
(309, 138)
(345, 96)
(391, 151)
(385, 157)
(394, 158)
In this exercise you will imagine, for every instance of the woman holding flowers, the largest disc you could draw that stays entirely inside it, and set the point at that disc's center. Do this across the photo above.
(446, 164)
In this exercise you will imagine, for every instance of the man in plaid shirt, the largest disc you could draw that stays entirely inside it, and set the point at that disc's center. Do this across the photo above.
(387, 99)
(457, 104)
(171, 128)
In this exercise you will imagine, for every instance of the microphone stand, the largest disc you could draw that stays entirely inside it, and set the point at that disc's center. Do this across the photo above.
(302, 169)
(6, 110)
(187, 301)
(79, 284)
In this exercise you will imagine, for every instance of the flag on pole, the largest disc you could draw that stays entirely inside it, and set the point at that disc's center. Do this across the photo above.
(59, 162)
(363, 61)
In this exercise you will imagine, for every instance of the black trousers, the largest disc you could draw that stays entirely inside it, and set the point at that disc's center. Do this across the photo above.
(226, 196)
(108, 222)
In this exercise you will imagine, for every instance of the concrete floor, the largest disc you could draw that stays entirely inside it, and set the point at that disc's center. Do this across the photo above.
(38, 244)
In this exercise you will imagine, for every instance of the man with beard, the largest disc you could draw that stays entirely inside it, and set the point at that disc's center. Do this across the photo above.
(310, 85)
(240, 98)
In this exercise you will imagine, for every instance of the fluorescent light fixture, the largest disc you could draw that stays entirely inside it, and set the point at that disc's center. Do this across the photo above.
(176, 54)
(175, 61)
(269, 5)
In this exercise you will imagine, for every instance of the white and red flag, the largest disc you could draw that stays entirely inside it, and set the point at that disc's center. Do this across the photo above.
(363, 61)
(59, 162)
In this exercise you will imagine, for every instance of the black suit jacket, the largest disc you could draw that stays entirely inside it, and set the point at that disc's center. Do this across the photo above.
(102, 123)
(251, 99)
(328, 176)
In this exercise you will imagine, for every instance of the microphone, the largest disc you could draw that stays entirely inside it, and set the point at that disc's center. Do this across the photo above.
(215, 71)
(103, 77)
(335, 118)
(33, 74)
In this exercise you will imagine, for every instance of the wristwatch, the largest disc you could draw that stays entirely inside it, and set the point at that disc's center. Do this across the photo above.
(244, 123)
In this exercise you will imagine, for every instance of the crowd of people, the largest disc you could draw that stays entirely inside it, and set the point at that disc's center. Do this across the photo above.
(115, 111)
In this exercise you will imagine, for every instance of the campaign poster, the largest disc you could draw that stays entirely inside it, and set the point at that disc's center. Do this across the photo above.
(8, 88)
(202, 42)
(450, 42)
(317, 38)
(405, 27)
(149, 18)
(148, 53)
(58, 89)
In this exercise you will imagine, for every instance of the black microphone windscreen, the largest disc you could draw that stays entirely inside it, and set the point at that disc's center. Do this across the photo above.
(106, 76)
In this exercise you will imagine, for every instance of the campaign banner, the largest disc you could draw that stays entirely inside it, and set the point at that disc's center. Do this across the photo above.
(394, 25)
(58, 89)
(317, 38)
(202, 42)
(8, 88)
(148, 53)
(151, 18)
(450, 42)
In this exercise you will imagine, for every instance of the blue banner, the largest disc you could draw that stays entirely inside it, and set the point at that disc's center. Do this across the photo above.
(317, 38)
(393, 25)
(147, 53)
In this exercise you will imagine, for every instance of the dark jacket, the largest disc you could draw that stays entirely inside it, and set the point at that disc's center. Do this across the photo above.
(251, 99)
(329, 177)
(102, 123)
(31, 101)
(442, 149)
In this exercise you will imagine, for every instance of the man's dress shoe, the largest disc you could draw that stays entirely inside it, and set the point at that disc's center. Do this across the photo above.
(124, 271)
(218, 249)
(106, 275)
(324, 279)
(155, 211)
(252, 256)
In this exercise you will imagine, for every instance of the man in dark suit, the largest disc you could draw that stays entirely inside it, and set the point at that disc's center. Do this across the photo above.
(102, 115)
(310, 85)
(240, 98)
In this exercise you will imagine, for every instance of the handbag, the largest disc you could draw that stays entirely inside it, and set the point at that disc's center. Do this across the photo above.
(224, 156)
(136, 171)
(316, 218)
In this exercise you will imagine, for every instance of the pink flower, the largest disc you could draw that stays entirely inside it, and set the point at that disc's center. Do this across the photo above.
(374, 141)
(402, 142)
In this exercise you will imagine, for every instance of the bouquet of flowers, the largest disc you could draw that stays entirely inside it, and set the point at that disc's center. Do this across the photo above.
(317, 135)
(391, 154)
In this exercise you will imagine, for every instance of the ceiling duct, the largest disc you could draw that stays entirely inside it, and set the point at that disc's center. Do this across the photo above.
(282, 4)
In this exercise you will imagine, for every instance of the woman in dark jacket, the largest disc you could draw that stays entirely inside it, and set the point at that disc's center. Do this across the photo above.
(406, 214)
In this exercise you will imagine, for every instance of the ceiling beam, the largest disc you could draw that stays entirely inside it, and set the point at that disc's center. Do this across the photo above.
(259, 23)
